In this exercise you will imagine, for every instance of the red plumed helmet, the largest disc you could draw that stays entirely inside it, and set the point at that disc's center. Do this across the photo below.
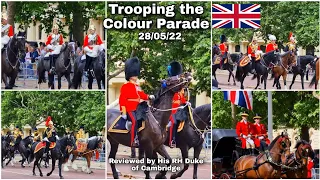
(291, 35)
(48, 120)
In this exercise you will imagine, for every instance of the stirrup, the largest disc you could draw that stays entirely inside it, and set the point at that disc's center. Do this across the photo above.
(173, 144)
(86, 74)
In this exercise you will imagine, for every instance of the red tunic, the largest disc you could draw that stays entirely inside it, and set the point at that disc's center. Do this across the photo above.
(50, 38)
(130, 95)
(243, 128)
(251, 50)
(177, 100)
(223, 48)
(10, 31)
(86, 41)
(259, 131)
(309, 167)
(271, 47)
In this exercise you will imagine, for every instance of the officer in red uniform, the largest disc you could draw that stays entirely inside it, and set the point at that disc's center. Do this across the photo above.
(6, 30)
(130, 96)
(243, 130)
(223, 49)
(253, 49)
(259, 133)
(175, 69)
(272, 46)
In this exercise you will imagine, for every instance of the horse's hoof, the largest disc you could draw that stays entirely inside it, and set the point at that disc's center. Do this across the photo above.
(48, 174)
(234, 84)
(61, 177)
(173, 176)
(22, 166)
(34, 174)
(41, 175)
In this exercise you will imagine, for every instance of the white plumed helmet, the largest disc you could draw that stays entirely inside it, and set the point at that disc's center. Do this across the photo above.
(272, 37)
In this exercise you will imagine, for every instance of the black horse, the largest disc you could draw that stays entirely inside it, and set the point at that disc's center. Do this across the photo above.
(62, 65)
(65, 144)
(24, 149)
(6, 152)
(153, 136)
(98, 71)
(301, 68)
(10, 56)
(231, 60)
(312, 67)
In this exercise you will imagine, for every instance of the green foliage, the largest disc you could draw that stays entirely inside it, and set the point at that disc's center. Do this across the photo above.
(67, 109)
(280, 18)
(193, 51)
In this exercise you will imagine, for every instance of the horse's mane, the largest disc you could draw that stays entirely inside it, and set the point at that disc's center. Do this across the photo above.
(303, 142)
(284, 54)
(274, 142)
(156, 101)
(26, 137)
(205, 107)
(64, 47)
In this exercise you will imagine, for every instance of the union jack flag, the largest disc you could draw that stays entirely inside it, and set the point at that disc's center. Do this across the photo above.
(236, 16)
(240, 98)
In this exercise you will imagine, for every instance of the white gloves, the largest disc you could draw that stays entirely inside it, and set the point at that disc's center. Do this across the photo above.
(101, 47)
(188, 103)
(45, 139)
(124, 116)
(244, 136)
(57, 137)
(151, 97)
(87, 49)
(249, 55)
(261, 137)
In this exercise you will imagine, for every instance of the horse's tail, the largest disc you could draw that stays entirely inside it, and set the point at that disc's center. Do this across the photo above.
(313, 80)
(238, 74)
(31, 156)
(76, 80)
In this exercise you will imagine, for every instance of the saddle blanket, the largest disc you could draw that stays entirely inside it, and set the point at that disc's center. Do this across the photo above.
(244, 61)
(81, 146)
(218, 59)
(120, 125)
(41, 145)
(180, 126)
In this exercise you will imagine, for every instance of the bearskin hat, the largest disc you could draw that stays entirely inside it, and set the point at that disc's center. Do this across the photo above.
(132, 68)
(174, 69)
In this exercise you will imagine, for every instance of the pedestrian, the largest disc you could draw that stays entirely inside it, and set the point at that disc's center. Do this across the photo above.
(309, 167)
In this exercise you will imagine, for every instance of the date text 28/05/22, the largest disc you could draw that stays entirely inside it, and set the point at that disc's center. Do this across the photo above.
(167, 36)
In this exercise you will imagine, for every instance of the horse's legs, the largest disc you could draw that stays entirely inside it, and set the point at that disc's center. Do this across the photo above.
(98, 78)
(53, 165)
(234, 81)
(59, 81)
(258, 81)
(148, 155)
(88, 163)
(38, 165)
(242, 79)
(265, 77)
(90, 81)
(13, 79)
(284, 77)
(229, 76)
(196, 154)
(113, 152)
(302, 79)
(184, 153)
(163, 152)
(293, 79)
(67, 75)
(34, 166)
(59, 166)
(5, 79)
(73, 165)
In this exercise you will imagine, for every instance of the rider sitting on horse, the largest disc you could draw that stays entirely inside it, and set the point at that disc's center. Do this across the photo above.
(223, 49)
(36, 135)
(175, 69)
(16, 133)
(91, 45)
(49, 135)
(259, 132)
(243, 130)
(130, 96)
(54, 43)
(291, 46)
(253, 53)
(272, 46)
(6, 30)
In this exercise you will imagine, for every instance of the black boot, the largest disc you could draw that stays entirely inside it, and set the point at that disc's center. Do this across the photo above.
(253, 66)
(46, 151)
(136, 140)
(173, 143)
(133, 152)
(87, 65)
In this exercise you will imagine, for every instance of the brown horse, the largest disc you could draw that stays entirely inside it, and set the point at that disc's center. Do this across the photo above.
(94, 143)
(299, 160)
(266, 165)
(316, 76)
(282, 69)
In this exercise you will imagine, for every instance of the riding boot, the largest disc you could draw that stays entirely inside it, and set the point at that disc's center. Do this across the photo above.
(133, 152)
(136, 140)
(174, 131)
(46, 151)
(51, 62)
(87, 65)
(54, 63)
(253, 66)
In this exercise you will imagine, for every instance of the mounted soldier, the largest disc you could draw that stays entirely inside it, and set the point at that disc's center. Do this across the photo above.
(6, 29)
(243, 130)
(54, 43)
(259, 133)
(131, 95)
(36, 135)
(291, 46)
(223, 49)
(49, 135)
(16, 133)
(254, 53)
(92, 45)
(272, 45)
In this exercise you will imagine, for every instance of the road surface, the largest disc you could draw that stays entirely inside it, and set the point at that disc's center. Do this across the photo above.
(222, 78)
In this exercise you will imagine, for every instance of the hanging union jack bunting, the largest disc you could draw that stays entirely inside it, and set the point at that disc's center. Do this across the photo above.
(236, 16)
(240, 98)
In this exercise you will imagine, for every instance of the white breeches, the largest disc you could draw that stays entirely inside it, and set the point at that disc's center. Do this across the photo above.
(56, 49)
(250, 143)
(92, 52)
(4, 40)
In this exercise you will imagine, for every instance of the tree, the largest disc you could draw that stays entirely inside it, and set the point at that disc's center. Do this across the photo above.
(67, 109)
(193, 51)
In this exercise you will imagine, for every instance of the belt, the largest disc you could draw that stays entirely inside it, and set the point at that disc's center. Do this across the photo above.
(136, 100)
(176, 102)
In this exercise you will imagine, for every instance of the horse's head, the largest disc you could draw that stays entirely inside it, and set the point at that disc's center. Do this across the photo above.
(28, 140)
(19, 41)
(284, 143)
(272, 57)
(215, 50)
(9, 138)
(304, 150)
(100, 142)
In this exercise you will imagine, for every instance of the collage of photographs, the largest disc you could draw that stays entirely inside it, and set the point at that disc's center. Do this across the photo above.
(160, 89)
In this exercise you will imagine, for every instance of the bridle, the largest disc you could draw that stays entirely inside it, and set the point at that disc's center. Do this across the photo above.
(16, 55)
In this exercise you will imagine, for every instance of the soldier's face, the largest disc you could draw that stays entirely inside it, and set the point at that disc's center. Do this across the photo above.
(4, 21)
(134, 78)
(244, 117)
(55, 31)
(257, 121)
(273, 41)
(50, 125)
(91, 31)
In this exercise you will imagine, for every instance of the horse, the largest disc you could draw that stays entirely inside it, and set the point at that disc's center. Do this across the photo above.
(24, 149)
(98, 67)
(56, 153)
(6, 151)
(298, 160)
(93, 143)
(316, 76)
(282, 69)
(153, 136)
(62, 65)
(10, 56)
(301, 69)
(231, 60)
(266, 164)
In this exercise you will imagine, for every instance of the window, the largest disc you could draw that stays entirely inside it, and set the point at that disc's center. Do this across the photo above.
(237, 48)
(263, 48)
(39, 32)
(310, 50)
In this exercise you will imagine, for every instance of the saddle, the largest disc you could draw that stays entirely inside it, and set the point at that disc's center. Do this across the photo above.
(42, 145)
(121, 125)
(180, 126)
(244, 61)
(81, 145)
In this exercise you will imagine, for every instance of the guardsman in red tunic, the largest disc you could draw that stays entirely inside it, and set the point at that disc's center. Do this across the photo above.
(130, 96)
(272, 46)
(243, 130)
(291, 46)
(175, 69)
(253, 53)
(259, 132)
(223, 49)
(91, 45)
(6, 30)
(54, 43)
